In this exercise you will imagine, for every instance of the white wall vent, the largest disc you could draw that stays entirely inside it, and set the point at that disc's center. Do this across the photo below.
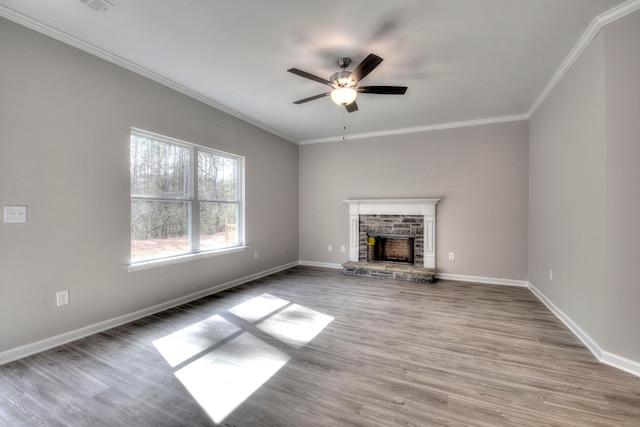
(98, 5)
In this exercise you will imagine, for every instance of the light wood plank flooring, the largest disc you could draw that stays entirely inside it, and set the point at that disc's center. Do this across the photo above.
(312, 347)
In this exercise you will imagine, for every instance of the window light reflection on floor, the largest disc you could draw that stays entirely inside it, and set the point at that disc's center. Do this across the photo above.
(258, 307)
(295, 325)
(221, 380)
(224, 374)
(186, 343)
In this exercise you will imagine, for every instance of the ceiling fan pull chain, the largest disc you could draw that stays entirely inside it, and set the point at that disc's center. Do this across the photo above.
(344, 124)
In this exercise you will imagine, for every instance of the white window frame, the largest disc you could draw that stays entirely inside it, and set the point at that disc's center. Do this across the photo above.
(194, 206)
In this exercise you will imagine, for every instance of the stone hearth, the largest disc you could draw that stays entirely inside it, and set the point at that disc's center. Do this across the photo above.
(394, 271)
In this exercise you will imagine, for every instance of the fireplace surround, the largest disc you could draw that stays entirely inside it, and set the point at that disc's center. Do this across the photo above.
(399, 214)
(411, 220)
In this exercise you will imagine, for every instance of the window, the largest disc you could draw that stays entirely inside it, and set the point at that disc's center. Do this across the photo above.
(185, 199)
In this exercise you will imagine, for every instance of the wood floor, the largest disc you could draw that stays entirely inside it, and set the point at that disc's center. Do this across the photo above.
(312, 347)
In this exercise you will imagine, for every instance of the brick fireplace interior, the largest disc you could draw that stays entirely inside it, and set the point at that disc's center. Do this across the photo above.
(391, 248)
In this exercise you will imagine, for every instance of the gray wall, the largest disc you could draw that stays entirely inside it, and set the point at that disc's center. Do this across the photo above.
(479, 172)
(65, 118)
(567, 193)
(622, 293)
(584, 147)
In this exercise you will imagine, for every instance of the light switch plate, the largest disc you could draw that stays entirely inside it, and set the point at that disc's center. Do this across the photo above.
(15, 214)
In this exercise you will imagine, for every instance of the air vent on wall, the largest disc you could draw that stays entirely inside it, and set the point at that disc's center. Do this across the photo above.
(98, 5)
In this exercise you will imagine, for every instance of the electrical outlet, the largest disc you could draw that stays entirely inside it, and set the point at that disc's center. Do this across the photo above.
(329, 248)
(452, 256)
(256, 255)
(62, 297)
(15, 214)
(343, 248)
(551, 275)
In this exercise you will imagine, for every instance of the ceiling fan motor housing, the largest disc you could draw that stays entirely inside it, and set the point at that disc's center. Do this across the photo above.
(342, 79)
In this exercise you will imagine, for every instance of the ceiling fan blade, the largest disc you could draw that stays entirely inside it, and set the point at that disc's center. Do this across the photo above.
(351, 107)
(311, 98)
(383, 90)
(309, 76)
(365, 67)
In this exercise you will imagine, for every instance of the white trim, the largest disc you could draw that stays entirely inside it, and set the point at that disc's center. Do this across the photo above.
(423, 207)
(320, 264)
(584, 42)
(587, 37)
(618, 12)
(596, 25)
(589, 342)
(391, 206)
(428, 128)
(622, 363)
(117, 60)
(606, 357)
(603, 356)
(145, 265)
(480, 279)
(55, 341)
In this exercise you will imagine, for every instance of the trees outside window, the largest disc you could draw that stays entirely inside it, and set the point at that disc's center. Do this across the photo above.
(184, 198)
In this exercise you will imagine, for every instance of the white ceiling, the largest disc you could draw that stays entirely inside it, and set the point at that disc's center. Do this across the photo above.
(464, 61)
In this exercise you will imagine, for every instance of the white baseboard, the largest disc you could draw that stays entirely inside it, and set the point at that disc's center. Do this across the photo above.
(480, 279)
(589, 342)
(603, 356)
(622, 363)
(606, 357)
(444, 276)
(320, 264)
(55, 341)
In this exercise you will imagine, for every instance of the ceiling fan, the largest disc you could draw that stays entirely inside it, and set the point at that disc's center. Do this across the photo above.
(345, 83)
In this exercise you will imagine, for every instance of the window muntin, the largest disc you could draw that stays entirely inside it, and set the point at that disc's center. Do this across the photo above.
(166, 219)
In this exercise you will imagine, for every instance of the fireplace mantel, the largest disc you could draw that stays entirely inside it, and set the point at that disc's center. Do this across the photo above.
(424, 207)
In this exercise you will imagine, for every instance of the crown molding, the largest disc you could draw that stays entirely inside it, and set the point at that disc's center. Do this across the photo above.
(592, 31)
(429, 128)
(618, 12)
(63, 37)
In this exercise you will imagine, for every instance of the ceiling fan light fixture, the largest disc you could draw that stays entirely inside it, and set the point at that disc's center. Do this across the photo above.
(343, 95)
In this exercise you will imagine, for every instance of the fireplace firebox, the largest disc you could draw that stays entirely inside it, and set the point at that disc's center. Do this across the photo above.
(391, 248)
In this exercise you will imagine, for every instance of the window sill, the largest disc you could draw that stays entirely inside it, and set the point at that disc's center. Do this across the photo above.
(145, 265)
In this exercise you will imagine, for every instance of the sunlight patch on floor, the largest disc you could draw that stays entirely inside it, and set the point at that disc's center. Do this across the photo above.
(295, 325)
(224, 378)
(188, 342)
(258, 307)
(221, 364)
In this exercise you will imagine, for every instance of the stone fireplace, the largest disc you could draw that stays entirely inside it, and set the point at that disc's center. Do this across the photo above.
(391, 233)
(392, 237)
